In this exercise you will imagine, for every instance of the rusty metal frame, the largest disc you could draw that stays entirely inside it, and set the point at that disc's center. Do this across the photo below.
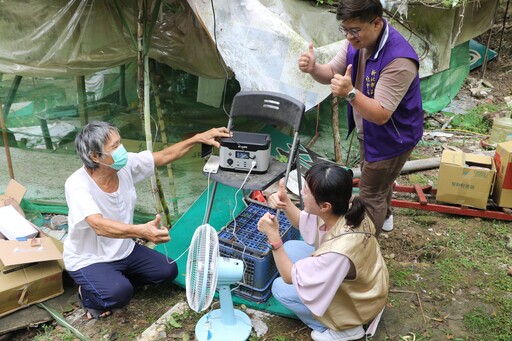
(423, 203)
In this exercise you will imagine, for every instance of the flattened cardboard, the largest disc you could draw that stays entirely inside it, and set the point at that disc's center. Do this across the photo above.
(502, 193)
(14, 252)
(465, 179)
(15, 190)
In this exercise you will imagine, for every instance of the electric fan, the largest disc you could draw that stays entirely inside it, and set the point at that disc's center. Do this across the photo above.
(206, 271)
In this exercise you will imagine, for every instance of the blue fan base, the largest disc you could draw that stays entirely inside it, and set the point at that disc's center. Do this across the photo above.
(222, 330)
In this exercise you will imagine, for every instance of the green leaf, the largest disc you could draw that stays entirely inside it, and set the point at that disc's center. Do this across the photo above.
(62, 321)
(172, 322)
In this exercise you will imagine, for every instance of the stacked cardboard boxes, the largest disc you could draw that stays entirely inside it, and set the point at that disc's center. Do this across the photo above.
(30, 268)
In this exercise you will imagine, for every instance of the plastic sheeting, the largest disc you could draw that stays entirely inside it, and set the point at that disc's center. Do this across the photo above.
(260, 40)
(80, 37)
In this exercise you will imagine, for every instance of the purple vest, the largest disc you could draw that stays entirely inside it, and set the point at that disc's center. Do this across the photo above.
(405, 127)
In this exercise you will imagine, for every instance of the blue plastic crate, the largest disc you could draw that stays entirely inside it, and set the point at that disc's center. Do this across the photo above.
(255, 295)
(241, 239)
(258, 272)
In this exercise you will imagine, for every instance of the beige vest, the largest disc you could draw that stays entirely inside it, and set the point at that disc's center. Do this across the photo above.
(360, 299)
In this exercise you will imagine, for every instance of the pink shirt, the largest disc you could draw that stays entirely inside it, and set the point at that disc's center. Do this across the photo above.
(317, 279)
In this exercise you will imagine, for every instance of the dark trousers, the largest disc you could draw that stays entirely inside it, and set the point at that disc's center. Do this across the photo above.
(105, 286)
(376, 184)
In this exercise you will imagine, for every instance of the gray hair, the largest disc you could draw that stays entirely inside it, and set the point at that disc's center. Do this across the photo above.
(92, 139)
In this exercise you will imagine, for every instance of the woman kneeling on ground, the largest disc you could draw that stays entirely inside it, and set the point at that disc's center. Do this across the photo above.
(335, 280)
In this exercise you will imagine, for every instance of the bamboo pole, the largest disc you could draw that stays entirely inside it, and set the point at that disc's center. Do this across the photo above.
(6, 144)
(336, 131)
(140, 59)
(156, 185)
(163, 135)
(144, 106)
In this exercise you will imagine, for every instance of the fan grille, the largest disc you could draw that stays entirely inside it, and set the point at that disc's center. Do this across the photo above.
(201, 279)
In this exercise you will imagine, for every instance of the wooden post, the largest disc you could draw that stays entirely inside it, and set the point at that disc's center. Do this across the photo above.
(6, 144)
(82, 100)
(503, 29)
(10, 96)
(7, 105)
(122, 86)
(46, 133)
(484, 64)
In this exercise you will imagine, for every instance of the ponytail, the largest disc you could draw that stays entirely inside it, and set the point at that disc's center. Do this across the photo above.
(356, 212)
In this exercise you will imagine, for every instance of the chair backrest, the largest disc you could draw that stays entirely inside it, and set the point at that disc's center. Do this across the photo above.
(269, 107)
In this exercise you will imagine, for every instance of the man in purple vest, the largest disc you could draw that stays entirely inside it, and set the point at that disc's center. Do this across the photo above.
(376, 71)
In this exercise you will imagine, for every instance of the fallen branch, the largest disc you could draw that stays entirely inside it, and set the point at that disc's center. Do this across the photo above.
(419, 300)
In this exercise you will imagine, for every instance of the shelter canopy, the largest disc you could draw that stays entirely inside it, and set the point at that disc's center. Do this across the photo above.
(259, 40)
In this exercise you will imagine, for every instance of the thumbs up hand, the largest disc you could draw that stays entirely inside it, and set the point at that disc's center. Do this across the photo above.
(342, 84)
(307, 60)
(279, 200)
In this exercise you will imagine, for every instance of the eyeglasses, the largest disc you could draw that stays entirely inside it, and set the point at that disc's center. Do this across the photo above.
(354, 32)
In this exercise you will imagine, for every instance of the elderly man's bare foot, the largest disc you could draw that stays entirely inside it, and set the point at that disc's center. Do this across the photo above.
(96, 314)
(90, 312)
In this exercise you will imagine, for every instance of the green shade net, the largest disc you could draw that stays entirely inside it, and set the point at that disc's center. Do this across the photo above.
(440, 89)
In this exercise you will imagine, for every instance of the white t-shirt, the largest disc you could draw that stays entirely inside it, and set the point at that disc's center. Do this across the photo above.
(83, 246)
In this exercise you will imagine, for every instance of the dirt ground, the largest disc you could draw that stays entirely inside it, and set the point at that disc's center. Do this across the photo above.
(448, 272)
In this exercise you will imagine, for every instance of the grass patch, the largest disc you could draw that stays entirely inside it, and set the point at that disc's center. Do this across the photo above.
(449, 272)
(495, 325)
(400, 277)
(475, 119)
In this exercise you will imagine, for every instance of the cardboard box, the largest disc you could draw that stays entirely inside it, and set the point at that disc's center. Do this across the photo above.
(465, 179)
(502, 193)
(28, 273)
(31, 270)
